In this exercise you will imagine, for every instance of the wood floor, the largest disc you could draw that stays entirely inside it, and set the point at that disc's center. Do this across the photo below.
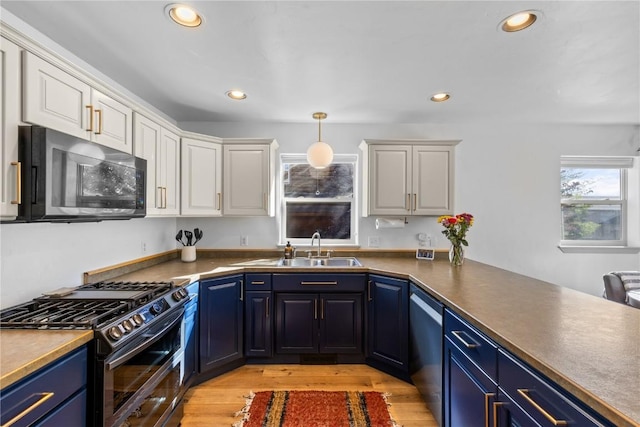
(213, 403)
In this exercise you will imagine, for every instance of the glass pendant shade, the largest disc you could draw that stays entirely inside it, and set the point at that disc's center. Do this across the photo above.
(320, 155)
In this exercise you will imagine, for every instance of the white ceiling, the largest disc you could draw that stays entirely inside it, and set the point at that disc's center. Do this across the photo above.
(361, 61)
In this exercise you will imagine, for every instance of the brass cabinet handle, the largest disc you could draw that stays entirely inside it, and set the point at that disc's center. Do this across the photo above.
(525, 394)
(369, 291)
(457, 334)
(487, 397)
(315, 309)
(319, 283)
(267, 308)
(45, 396)
(219, 201)
(407, 202)
(18, 200)
(99, 113)
(90, 108)
(256, 282)
(415, 202)
(496, 405)
(322, 309)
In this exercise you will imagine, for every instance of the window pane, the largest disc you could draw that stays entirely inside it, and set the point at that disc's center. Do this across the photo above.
(332, 220)
(592, 222)
(582, 183)
(302, 180)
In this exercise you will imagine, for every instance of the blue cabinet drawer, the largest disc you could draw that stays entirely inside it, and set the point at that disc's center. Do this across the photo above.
(41, 392)
(471, 342)
(541, 399)
(257, 282)
(319, 282)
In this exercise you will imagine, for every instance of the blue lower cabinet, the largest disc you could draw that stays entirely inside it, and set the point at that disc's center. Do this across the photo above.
(54, 395)
(258, 320)
(318, 323)
(388, 324)
(221, 322)
(469, 393)
(190, 332)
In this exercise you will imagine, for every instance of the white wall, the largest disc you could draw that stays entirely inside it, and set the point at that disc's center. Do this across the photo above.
(35, 258)
(507, 176)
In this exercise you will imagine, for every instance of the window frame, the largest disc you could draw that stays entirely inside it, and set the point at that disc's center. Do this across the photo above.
(282, 202)
(622, 164)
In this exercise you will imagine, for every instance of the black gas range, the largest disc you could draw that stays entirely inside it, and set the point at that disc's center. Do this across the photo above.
(137, 372)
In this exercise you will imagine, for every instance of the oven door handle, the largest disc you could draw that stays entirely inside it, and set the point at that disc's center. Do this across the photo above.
(144, 341)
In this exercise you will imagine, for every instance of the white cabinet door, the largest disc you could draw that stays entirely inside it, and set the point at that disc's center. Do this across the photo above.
(408, 177)
(112, 122)
(146, 146)
(55, 99)
(246, 180)
(390, 180)
(169, 168)
(201, 178)
(432, 180)
(9, 122)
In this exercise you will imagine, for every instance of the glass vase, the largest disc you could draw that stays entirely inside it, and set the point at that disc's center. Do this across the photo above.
(456, 255)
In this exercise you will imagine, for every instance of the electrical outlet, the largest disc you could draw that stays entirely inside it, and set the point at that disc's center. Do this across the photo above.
(244, 240)
(374, 241)
(143, 246)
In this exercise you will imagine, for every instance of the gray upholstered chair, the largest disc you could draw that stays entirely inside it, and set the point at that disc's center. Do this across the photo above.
(617, 284)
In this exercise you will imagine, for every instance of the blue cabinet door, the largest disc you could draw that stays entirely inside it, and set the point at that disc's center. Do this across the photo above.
(340, 323)
(221, 322)
(258, 313)
(296, 323)
(468, 394)
(388, 323)
(190, 332)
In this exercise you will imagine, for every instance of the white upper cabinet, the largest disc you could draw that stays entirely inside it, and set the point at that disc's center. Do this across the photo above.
(408, 177)
(9, 122)
(55, 99)
(161, 149)
(201, 192)
(249, 177)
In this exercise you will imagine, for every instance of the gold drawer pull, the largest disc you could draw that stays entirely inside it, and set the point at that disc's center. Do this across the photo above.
(45, 396)
(463, 341)
(525, 394)
(257, 282)
(90, 108)
(99, 131)
(18, 200)
(319, 283)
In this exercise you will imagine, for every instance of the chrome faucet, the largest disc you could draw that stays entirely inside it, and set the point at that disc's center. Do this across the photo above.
(313, 237)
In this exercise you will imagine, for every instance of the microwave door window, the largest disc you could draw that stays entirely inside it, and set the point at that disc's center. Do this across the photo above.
(107, 185)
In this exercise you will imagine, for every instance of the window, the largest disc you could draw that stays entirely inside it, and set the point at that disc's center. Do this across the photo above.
(318, 200)
(594, 198)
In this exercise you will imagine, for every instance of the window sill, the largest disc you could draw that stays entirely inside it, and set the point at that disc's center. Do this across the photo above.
(599, 249)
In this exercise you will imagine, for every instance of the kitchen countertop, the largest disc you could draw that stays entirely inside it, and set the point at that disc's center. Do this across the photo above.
(586, 344)
(24, 351)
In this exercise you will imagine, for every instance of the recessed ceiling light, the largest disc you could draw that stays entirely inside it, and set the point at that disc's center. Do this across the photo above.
(440, 97)
(236, 94)
(519, 21)
(184, 15)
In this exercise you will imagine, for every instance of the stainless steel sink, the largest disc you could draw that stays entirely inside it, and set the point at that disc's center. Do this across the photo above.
(320, 262)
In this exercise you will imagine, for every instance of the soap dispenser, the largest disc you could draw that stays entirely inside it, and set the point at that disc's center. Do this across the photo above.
(288, 251)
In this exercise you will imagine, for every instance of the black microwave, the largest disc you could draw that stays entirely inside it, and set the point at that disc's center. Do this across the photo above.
(68, 179)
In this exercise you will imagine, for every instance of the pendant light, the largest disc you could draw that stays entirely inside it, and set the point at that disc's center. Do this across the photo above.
(319, 154)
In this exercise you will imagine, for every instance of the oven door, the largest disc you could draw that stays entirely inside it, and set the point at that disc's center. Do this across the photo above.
(142, 380)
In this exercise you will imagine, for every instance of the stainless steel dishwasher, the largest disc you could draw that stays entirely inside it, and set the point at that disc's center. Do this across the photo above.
(425, 367)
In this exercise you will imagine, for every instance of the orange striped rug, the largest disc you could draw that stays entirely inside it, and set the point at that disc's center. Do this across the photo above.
(316, 409)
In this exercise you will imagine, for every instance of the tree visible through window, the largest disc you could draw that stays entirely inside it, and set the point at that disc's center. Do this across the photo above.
(593, 201)
(318, 200)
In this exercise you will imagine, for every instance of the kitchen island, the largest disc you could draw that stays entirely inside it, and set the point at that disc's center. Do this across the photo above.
(587, 345)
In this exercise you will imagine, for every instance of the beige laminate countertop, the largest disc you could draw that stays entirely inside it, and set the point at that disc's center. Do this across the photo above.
(24, 351)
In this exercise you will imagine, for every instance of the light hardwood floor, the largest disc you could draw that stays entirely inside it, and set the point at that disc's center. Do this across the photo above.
(213, 403)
